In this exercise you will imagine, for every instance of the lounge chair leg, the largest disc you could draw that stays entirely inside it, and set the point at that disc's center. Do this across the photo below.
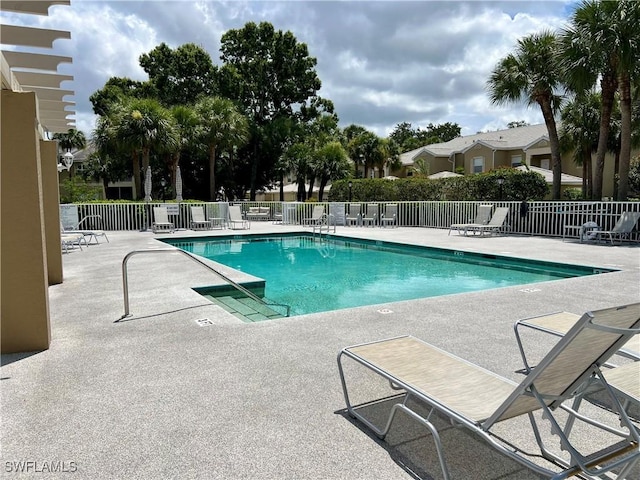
(398, 406)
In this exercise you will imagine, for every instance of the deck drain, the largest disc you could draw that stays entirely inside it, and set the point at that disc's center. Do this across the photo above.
(204, 322)
(385, 311)
(530, 290)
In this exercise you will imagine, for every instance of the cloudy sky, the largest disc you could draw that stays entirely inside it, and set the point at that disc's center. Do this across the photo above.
(380, 62)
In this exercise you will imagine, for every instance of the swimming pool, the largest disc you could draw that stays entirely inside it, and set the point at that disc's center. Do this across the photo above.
(317, 275)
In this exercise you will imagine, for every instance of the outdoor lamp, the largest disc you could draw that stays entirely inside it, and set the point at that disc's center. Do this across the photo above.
(350, 187)
(67, 161)
(500, 181)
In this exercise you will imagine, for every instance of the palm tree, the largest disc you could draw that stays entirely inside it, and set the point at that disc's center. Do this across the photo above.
(72, 138)
(185, 123)
(579, 134)
(144, 125)
(532, 74)
(297, 159)
(331, 163)
(69, 140)
(603, 41)
(222, 127)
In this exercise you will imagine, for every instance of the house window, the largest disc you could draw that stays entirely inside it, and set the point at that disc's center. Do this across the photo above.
(478, 164)
(516, 160)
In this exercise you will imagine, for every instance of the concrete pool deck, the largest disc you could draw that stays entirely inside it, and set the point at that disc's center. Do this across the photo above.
(158, 396)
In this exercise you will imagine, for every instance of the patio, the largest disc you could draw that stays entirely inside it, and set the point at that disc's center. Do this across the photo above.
(159, 396)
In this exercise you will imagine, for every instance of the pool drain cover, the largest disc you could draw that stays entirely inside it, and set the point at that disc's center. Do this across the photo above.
(385, 311)
(204, 322)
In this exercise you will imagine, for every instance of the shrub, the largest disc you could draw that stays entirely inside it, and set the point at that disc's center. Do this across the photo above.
(517, 186)
(76, 190)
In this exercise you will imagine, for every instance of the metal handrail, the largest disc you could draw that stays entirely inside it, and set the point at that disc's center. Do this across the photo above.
(325, 221)
(237, 286)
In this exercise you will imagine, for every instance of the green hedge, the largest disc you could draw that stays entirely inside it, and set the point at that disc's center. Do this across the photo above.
(517, 186)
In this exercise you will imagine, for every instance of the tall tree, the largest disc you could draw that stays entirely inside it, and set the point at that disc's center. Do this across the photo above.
(222, 127)
(366, 148)
(531, 74)
(331, 163)
(144, 125)
(444, 131)
(186, 124)
(297, 158)
(108, 162)
(118, 90)
(603, 41)
(270, 74)
(580, 121)
(180, 75)
(71, 139)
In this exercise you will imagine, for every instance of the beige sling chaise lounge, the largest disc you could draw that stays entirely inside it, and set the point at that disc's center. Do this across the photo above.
(482, 217)
(354, 215)
(623, 227)
(235, 218)
(495, 224)
(198, 221)
(475, 398)
(390, 215)
(161, 221)
(625, 379)
(93, 234)
(316, 216)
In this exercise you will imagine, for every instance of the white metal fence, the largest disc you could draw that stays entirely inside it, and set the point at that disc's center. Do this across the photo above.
(533, 218)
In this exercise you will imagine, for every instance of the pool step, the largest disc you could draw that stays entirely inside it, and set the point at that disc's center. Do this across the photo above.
(245, 308)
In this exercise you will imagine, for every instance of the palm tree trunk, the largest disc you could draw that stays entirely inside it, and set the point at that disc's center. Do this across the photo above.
(282, 187)
(323, 183)
(212, 173)
(554, 144)
(137, 181)
(312, 181)
(625, 137)
(585, 171)
(608, 86)
(301, 191)
(175, 161)
(589, 177)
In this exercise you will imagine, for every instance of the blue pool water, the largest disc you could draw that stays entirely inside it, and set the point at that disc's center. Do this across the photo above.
(314, 275)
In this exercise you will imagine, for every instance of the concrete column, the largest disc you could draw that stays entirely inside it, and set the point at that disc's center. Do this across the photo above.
(24, 280)
(51, 196)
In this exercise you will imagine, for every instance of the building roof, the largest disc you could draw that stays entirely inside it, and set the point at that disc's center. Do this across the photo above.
(443, 174)
(508, 139)
(25, 71)
(565, 178)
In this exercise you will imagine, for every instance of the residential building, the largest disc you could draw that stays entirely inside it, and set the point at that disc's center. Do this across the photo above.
(513, 147)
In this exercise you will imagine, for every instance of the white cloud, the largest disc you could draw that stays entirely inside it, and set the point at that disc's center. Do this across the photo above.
(380, 62)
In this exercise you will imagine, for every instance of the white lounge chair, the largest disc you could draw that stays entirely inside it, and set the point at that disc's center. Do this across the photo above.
(354, 215)
(316, 216)
(161, 221)
(623, 227)
(370, 216)
(258, 213)
(482, 218)
(198, 221)
(235, 218)
(71, 240)
(477, 399)
(91, 233)
(623, 379)
(495, 224)
(390, 215)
